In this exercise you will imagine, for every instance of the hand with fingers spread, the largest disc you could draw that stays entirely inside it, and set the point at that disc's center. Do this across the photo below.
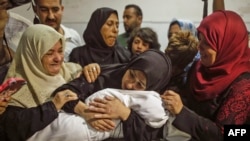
(172, 102)
(91, 72)
(63, 97)
(99, 124)
(109, 107)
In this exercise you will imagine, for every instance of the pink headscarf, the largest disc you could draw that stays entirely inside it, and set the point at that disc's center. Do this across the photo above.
(226, 33)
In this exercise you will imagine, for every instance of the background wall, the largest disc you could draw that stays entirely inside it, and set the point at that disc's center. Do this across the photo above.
(156, 13)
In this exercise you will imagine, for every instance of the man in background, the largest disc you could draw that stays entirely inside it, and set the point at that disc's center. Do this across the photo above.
(49, 12)
(132, 18)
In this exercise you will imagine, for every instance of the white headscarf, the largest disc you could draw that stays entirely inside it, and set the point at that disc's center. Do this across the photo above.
(35, 42)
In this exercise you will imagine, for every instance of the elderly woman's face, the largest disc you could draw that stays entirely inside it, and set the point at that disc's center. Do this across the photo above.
(53, 59)
(109, 30)
(134, 80)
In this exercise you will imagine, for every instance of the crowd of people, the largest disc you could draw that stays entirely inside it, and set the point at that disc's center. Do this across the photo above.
(121, 86)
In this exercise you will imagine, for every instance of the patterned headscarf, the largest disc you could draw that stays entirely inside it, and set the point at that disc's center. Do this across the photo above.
(185, 25)
(92, 35)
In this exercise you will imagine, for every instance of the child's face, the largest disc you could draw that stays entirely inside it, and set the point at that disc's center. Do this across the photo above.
(139, 46)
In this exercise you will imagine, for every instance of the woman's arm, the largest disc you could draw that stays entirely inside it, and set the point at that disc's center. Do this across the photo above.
(233, 110)
(83, 89)
(79, 86)
(21, 123)
(197, 126)
(188, 121)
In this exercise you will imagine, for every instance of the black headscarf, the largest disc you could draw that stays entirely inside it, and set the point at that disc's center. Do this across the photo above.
(154, 63)
(92, 34)
(156, 66)
(96, 50)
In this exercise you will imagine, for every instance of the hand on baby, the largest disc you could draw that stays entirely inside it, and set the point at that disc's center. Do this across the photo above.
(104, 124)
(109, 107)
(172, 102)
(63, 97)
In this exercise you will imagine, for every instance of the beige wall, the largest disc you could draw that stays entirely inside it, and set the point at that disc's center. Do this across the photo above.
(157, 13)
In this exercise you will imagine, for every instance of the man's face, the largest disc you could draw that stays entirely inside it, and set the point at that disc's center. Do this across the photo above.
(49, 12)
(131, 20)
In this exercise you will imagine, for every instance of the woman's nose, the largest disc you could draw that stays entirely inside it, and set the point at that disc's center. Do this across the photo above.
(58, 57)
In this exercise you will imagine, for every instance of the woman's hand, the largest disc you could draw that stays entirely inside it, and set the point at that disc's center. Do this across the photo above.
(91, 72)
(172, 102)
(99, 124)
(102, 124)
(109, 107)
(3, 103)
(63, 97)
(5, 97)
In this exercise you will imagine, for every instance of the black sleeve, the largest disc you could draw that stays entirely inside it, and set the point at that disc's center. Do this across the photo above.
(16, 3)
(73, 57)
(135, 129)
(81, 87)
(201, 129)
(18, 124)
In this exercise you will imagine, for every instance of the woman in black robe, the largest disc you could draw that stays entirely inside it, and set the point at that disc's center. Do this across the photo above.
(100, 37)
(157, 68)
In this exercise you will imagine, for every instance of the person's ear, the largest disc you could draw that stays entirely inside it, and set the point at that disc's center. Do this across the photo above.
(140, 19)
(62, 8)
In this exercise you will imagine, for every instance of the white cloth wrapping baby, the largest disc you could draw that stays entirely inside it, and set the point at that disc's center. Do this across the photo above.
(147, 104)
(69, 127)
